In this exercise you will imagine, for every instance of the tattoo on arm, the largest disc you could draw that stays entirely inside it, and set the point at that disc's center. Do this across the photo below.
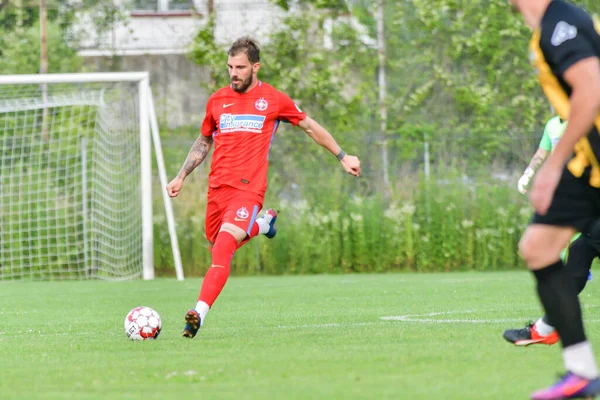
(197, 154)
(536, 162)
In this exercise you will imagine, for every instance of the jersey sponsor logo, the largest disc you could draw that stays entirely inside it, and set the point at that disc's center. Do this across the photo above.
(242, 214)
(562, 33)
(241, 123)
(261, 104)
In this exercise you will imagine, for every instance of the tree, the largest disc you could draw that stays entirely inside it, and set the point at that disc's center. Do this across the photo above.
(457, 73)
(19, 29)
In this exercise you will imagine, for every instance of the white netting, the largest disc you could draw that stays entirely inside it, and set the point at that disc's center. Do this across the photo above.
(70, 205)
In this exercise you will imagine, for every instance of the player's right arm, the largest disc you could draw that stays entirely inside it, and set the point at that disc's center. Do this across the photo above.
(536, 162)
(198, 152)
(577, 62)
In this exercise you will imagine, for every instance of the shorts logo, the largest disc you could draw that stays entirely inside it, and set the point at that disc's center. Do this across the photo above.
(241, 123)
(261, 104)
(242, 213)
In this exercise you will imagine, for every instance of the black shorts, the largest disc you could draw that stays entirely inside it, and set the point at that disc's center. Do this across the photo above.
(575, 203)
(592, 236)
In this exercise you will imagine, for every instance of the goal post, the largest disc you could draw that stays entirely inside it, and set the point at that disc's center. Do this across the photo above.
(76, 177)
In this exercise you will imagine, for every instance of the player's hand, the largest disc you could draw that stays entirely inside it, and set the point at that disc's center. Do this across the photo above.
(351, 164)
(524, 181)
(175, 186)
(544, 186)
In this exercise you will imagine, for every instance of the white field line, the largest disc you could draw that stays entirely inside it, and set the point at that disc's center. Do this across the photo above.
(426, 318)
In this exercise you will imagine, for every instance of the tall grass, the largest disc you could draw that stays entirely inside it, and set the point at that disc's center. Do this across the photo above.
(439, 225)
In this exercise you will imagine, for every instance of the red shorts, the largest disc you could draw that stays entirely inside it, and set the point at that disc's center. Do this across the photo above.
(235, 206)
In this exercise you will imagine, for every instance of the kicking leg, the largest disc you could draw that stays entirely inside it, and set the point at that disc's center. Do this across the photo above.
(540, 247)
(582, 252)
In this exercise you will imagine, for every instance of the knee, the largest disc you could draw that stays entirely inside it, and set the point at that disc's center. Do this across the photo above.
(536, 253)
(527, 250)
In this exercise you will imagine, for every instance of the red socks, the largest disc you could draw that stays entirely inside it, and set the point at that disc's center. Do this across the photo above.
(216, 276)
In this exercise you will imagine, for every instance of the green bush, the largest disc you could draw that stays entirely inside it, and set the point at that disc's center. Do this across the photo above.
(443, 225)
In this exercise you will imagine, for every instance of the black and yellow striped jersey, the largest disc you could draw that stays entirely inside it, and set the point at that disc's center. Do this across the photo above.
(567, 34)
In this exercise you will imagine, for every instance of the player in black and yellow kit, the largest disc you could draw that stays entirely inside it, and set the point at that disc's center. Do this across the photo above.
(565, 51)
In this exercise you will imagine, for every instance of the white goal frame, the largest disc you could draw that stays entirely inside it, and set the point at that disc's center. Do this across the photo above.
(148, 134)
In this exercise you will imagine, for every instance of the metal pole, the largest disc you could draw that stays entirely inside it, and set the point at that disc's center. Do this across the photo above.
(44, 66)
(162, 173)
(89, 269)
(73, 78)
(382, 93)
(146, 181)
(427, 175)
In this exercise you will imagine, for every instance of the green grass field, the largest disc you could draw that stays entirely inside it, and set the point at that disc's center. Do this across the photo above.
(289, 337)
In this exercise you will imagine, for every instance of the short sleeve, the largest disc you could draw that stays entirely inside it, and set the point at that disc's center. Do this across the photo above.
(209, 125)
(564, 44)
(289, 111)
(546, 143)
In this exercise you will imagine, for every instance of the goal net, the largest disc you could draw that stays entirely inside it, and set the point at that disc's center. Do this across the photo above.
(75, 177)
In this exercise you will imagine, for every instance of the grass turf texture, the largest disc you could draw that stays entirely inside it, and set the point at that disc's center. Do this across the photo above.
(292, 337)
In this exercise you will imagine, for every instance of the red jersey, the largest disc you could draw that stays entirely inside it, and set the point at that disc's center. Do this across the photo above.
(243, 126)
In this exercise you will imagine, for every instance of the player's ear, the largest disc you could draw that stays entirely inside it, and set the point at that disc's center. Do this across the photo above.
(255, 67)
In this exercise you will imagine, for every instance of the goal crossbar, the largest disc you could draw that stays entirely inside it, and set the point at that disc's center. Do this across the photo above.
(74, 78)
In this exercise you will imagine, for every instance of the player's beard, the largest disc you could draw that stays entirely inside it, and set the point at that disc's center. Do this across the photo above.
(243, 85)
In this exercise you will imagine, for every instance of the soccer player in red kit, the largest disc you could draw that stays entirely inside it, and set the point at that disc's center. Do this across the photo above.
(241, 120)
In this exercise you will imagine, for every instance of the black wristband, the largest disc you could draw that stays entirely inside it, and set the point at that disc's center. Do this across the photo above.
(341, 155)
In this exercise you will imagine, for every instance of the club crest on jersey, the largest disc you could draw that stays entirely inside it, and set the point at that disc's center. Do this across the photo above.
(563, 32)
(261, 104)
(241, 123)
(242, 213)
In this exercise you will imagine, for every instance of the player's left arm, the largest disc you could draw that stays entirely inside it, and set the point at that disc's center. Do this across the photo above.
(325, 139)
(290, 112)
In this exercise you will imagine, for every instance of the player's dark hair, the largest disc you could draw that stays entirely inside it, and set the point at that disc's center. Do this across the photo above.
(247, 45)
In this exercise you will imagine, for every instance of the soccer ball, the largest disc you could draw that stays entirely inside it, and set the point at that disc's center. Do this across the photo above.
(142, 323)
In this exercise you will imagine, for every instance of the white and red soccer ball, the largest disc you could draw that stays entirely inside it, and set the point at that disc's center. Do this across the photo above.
(142, 323)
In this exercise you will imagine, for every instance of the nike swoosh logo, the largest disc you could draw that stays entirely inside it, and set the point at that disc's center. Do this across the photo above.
(228, 105)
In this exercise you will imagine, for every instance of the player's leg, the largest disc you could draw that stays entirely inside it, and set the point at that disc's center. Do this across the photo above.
(578, 265)
(212, 224)
(264, 225)
(579, 262)
(581, 255)
(540, 247)
(239, 223)
(574, 204)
